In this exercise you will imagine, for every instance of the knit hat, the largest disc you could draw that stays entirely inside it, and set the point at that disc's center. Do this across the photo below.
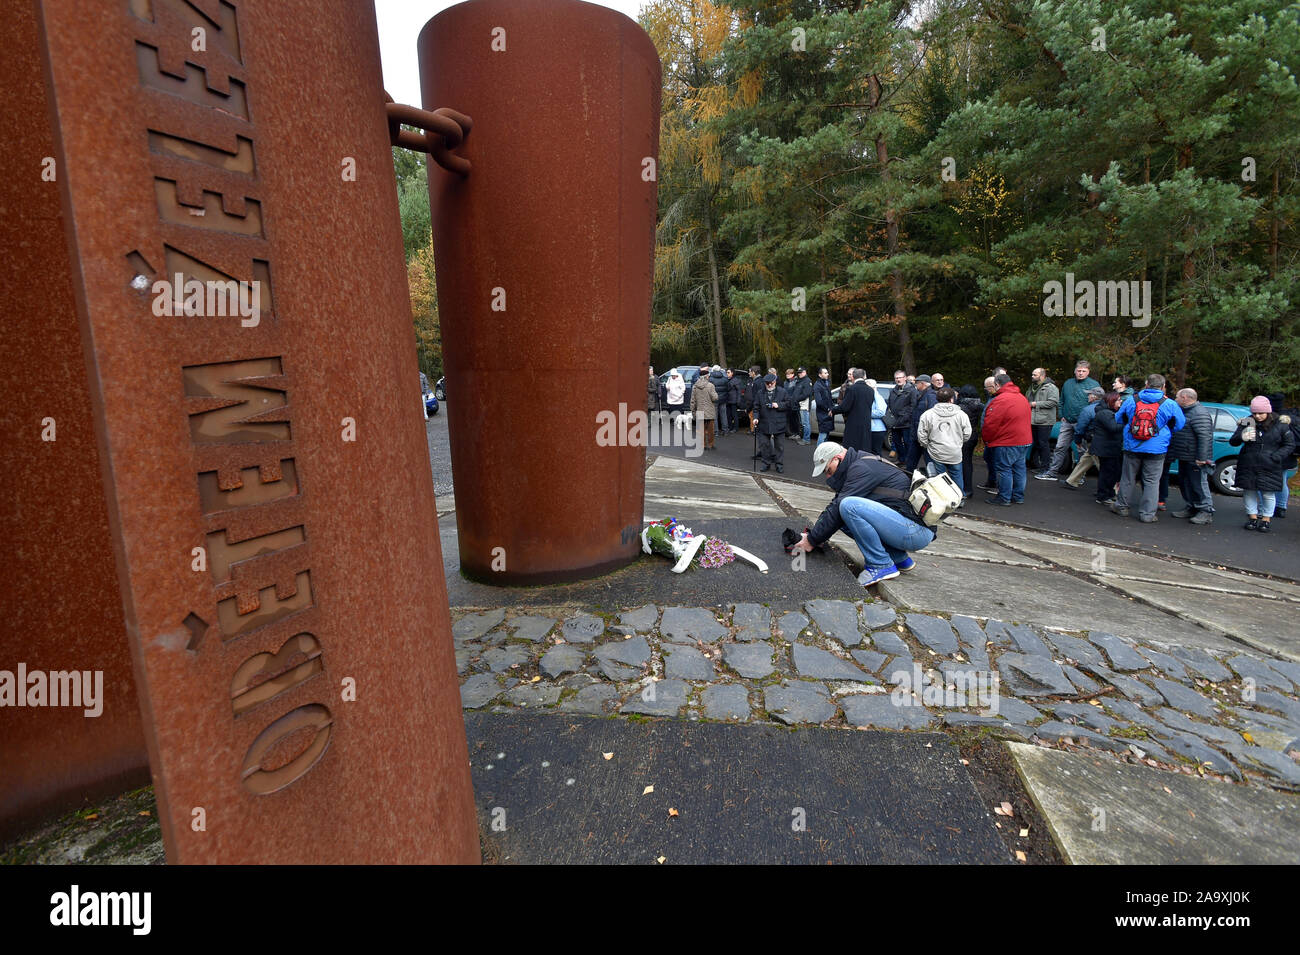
(1260, 404)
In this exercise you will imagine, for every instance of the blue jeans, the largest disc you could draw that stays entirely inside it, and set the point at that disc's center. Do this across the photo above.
(1284, 495)
(899, 437)
(882, 534)
(935, 468)
(1258, 503)
(807, 424)
(1009, 466)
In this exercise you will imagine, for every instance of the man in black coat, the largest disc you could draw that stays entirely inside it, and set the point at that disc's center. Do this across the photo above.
(855, 404)
(1192, 446)
(898, 411)
(791, 385)
(925, 400)
(753, 389)
(734, 388)
(773, 405)
(824, 403)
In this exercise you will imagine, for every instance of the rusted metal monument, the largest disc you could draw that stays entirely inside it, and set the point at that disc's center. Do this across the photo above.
(223, 505)
(545, 261)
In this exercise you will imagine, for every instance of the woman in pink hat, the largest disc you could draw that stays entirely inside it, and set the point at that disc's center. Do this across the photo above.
(1267, 449)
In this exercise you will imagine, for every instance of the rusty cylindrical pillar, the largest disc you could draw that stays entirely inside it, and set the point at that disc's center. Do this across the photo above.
(266, 473)
(545, 261)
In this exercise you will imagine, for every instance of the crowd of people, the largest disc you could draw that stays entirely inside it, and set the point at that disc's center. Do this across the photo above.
(1131, 436)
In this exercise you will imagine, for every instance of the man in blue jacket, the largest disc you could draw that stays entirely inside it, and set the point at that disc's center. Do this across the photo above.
(1149, 420)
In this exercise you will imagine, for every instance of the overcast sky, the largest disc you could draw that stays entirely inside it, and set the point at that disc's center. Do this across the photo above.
(400, 22)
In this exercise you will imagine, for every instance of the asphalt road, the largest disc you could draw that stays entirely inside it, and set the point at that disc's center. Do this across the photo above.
(435, 430)
(1053, 507)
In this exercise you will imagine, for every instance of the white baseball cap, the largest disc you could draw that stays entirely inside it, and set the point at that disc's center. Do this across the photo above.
(822, 456)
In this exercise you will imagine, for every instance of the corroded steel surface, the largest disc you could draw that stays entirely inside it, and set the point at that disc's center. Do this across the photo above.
(545, 258)
(297, 673)
(60, 609)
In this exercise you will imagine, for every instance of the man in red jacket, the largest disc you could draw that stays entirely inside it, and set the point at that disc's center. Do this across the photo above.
(1008, 433)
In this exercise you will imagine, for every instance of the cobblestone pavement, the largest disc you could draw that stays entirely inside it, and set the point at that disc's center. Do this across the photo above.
(1221, 713)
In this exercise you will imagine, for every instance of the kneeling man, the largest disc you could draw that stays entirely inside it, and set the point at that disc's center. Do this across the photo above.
(871, 506)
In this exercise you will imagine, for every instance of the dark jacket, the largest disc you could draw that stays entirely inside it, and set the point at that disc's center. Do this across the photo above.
(925, 400)
(752, 387)
(974, 409)
(801, 389)
(1006, 419)
(1106, 434)
(822, 395)
(1083, 427)
(1195, 440)
(866, 476)
(1262, 462)
(735, 388)
(718, 379)
(899, 406)
(855, 405)
(772, 420)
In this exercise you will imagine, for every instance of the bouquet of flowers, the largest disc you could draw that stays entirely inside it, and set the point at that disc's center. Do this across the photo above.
(680, 544)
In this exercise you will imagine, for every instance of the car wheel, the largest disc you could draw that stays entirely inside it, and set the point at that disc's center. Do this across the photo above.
(442, 395)
(1224, 477)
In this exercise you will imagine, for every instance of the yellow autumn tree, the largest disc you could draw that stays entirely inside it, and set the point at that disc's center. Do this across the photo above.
(424, 311)
(690, 36)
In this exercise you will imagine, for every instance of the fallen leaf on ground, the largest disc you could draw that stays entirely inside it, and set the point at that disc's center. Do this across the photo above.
(647, 791)
(1007, 810)
(660, 860)
(1023, 833)
(965, 762)
(1021, 857)
(1167, 789)
(608, 755)
(145, 812)
(672, 812)
(534, 679)
(93, 815)
(1247, 737)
